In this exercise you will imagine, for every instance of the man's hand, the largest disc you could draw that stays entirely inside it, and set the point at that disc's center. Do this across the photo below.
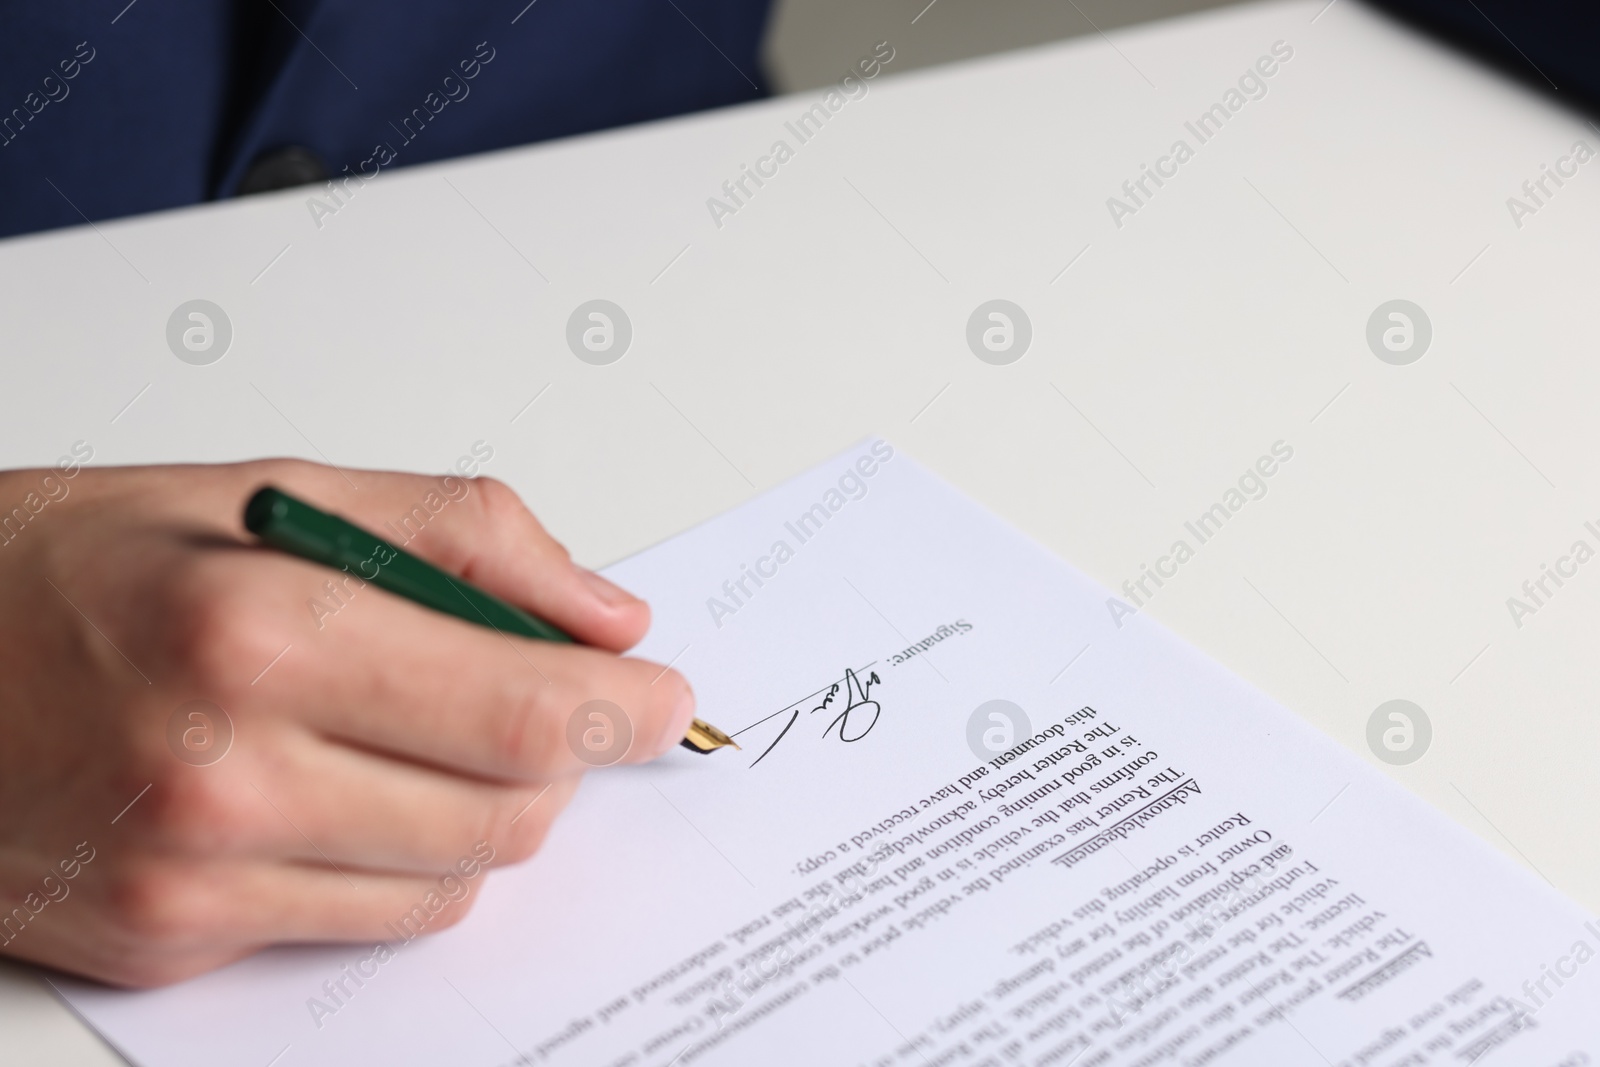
(379, 751)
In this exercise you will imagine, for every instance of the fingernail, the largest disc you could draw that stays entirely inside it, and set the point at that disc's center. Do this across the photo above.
(678, 723)
(608, 592)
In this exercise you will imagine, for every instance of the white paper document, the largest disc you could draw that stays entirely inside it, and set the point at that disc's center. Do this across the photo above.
(974, 821)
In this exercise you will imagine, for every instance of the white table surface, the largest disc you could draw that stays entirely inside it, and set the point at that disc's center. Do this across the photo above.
(1229, 313)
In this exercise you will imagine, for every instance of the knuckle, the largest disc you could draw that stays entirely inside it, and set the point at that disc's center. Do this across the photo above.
(318, 481)
(155, 905)
(500, 505)
(453, 912)
(523, 824)
(430, 906)
(496, 498)
(196, 811)
(283, 469)
(217, 631)
(133, 970)
(530, 734)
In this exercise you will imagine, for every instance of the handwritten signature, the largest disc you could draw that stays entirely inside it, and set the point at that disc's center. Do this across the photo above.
(850, 712)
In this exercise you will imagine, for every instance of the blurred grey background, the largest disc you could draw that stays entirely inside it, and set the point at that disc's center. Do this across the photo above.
(811, 42)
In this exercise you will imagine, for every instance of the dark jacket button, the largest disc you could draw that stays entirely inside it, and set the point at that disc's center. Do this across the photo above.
(282, 168)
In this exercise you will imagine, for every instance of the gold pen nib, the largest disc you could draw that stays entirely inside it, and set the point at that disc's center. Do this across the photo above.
(703, 738)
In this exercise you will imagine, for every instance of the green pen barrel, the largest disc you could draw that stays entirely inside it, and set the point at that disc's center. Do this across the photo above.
(295, 527)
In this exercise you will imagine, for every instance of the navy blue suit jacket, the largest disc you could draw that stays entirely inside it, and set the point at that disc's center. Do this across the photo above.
(109, 108)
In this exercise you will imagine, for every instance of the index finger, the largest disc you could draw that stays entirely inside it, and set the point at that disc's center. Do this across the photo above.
(479, 529)
(388, 675)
